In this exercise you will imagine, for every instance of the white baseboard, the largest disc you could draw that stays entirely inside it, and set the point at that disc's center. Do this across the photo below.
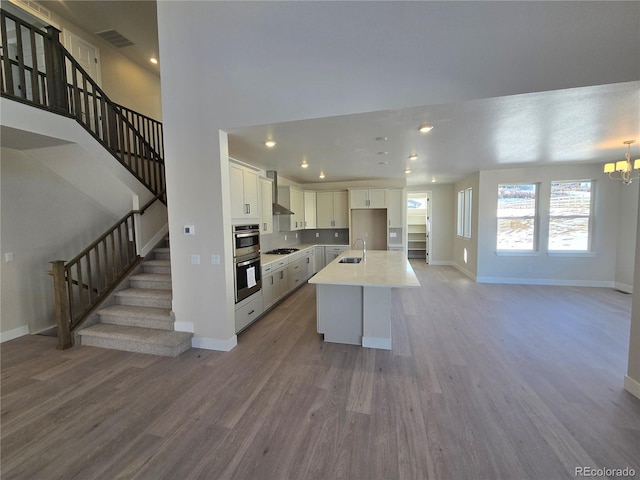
(150, 245)
(14, 333)
(466, 272)
(547, 281)
(632, 386)
(623, 287)
(214, 343)
(375, 342)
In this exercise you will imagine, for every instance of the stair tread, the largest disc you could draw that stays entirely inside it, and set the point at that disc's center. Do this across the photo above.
(157, 262)
(137, 334)
(145, 292)
(162, 249)
(158, 277)
(136, 311)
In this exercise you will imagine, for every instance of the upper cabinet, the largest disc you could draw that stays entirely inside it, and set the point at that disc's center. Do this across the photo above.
(395, 207)
(332, 210)
(266, 206)
(309, 209)
(293, 198)
(244, 194)
(368, 198)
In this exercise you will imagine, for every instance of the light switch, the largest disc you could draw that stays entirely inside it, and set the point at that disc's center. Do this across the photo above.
(189, 230)
(215, 259)
(393, 234)
(195, 259)
(8, 257)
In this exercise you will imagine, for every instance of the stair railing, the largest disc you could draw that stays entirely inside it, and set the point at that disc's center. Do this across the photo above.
(36, 69)
(83, 283)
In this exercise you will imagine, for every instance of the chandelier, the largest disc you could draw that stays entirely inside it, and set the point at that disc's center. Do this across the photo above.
(623, 169)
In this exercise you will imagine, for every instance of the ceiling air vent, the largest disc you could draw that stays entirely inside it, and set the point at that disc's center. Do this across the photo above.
(115, 38)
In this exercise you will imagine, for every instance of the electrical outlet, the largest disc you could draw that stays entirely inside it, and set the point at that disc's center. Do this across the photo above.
(215, 259)
(317, 234)
(336, 234)
(285, 238)
(296, 235)
(8, 257)
(393, 234)
(195, 259)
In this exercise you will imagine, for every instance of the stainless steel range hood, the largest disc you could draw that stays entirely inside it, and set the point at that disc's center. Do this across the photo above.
(277, 208)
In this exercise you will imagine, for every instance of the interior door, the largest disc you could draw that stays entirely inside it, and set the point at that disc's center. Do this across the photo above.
(88, 56)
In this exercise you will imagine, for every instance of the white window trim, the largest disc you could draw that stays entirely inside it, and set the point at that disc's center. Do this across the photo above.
(574, 253)
(535, 250)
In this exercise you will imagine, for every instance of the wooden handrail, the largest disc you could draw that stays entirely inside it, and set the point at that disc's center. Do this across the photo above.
(98, 269)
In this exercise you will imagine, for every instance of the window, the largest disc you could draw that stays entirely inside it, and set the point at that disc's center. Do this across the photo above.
(570, 216)
(464, 213)
(517, 217)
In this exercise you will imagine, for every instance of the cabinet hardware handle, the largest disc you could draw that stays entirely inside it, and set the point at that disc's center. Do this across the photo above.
(251, 312)
(265, 227)
(272, 280)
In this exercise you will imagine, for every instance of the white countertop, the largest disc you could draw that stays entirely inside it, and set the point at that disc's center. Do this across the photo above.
(266, 259)
(381, 268)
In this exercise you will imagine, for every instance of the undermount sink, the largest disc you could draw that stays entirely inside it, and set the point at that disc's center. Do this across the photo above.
(350, 260)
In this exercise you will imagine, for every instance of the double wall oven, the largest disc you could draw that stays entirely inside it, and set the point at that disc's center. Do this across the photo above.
(246, 259)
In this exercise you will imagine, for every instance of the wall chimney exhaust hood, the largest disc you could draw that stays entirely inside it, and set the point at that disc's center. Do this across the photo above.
(277, 208)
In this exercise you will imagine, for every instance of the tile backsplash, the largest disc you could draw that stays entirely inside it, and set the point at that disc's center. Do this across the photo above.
(325, 237)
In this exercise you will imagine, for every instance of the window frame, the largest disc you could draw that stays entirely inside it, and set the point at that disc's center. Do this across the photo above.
(534, 250)
(590, 218)
(463, 219)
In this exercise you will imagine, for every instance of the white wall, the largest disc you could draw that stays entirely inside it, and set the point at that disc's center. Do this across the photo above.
(598, 269)
(465, 250)
(43, 219)
(627, 219)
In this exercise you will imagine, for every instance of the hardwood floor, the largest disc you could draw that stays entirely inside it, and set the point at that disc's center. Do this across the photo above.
(483, 382)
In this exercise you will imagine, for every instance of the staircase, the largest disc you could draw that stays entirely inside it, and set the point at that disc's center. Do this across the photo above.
(139, 320)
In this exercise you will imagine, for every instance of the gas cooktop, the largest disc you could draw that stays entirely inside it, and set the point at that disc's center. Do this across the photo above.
(281, 251)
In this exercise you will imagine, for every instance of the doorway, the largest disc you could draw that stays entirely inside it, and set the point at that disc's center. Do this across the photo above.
(418, 225)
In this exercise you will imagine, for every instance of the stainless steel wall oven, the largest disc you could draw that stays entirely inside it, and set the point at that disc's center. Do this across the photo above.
(246, 259)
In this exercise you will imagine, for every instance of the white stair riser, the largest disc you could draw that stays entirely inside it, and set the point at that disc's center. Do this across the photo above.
(163, 255)
(156, 269)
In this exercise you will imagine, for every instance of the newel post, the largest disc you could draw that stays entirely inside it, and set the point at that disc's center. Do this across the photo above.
(61, 300)
(56, 73)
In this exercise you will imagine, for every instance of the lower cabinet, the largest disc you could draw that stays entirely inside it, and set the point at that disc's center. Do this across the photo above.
(333, 252)
(274, 284)
(296, 273)
(248, 312)
(309, 263)
(319, 254)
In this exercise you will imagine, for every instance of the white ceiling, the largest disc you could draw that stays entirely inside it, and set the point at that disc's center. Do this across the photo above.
(505, 84)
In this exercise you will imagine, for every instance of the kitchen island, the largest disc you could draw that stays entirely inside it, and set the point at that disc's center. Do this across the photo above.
(353, 300)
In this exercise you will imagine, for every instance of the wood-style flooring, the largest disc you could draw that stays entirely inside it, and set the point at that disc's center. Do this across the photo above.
(483, 382)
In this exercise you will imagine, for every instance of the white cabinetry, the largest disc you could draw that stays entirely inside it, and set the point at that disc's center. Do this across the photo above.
(332, 210)
(244, 194)
(309, 262)
(248, 311)
(292, 198)
(319, 254)
(395, 207)
(274, 282)
(309, 209)
(296, 271)
(266, 206)
(332, 252)
(368, 198)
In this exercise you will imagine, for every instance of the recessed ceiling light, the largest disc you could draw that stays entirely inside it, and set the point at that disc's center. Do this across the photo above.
(425, 128)
(433, 179)
(382, 139)
(304, 164)
(270, 143)
(321, 174)
(407, 170)
(413, 156)
(153, 60)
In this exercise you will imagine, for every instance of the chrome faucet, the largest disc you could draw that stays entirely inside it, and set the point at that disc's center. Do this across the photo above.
(364, 247)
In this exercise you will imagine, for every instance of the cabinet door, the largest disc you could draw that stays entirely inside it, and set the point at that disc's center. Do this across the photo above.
(358, 199)
(341, 209)
(324, 210)
(250, 184)
(395, 208)
(378, 198)
(309, 209)
(236, 183)
(319, 263)
(309, 265)
(266, 206)
(280, 279)
(297, 203)
(268, 286)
